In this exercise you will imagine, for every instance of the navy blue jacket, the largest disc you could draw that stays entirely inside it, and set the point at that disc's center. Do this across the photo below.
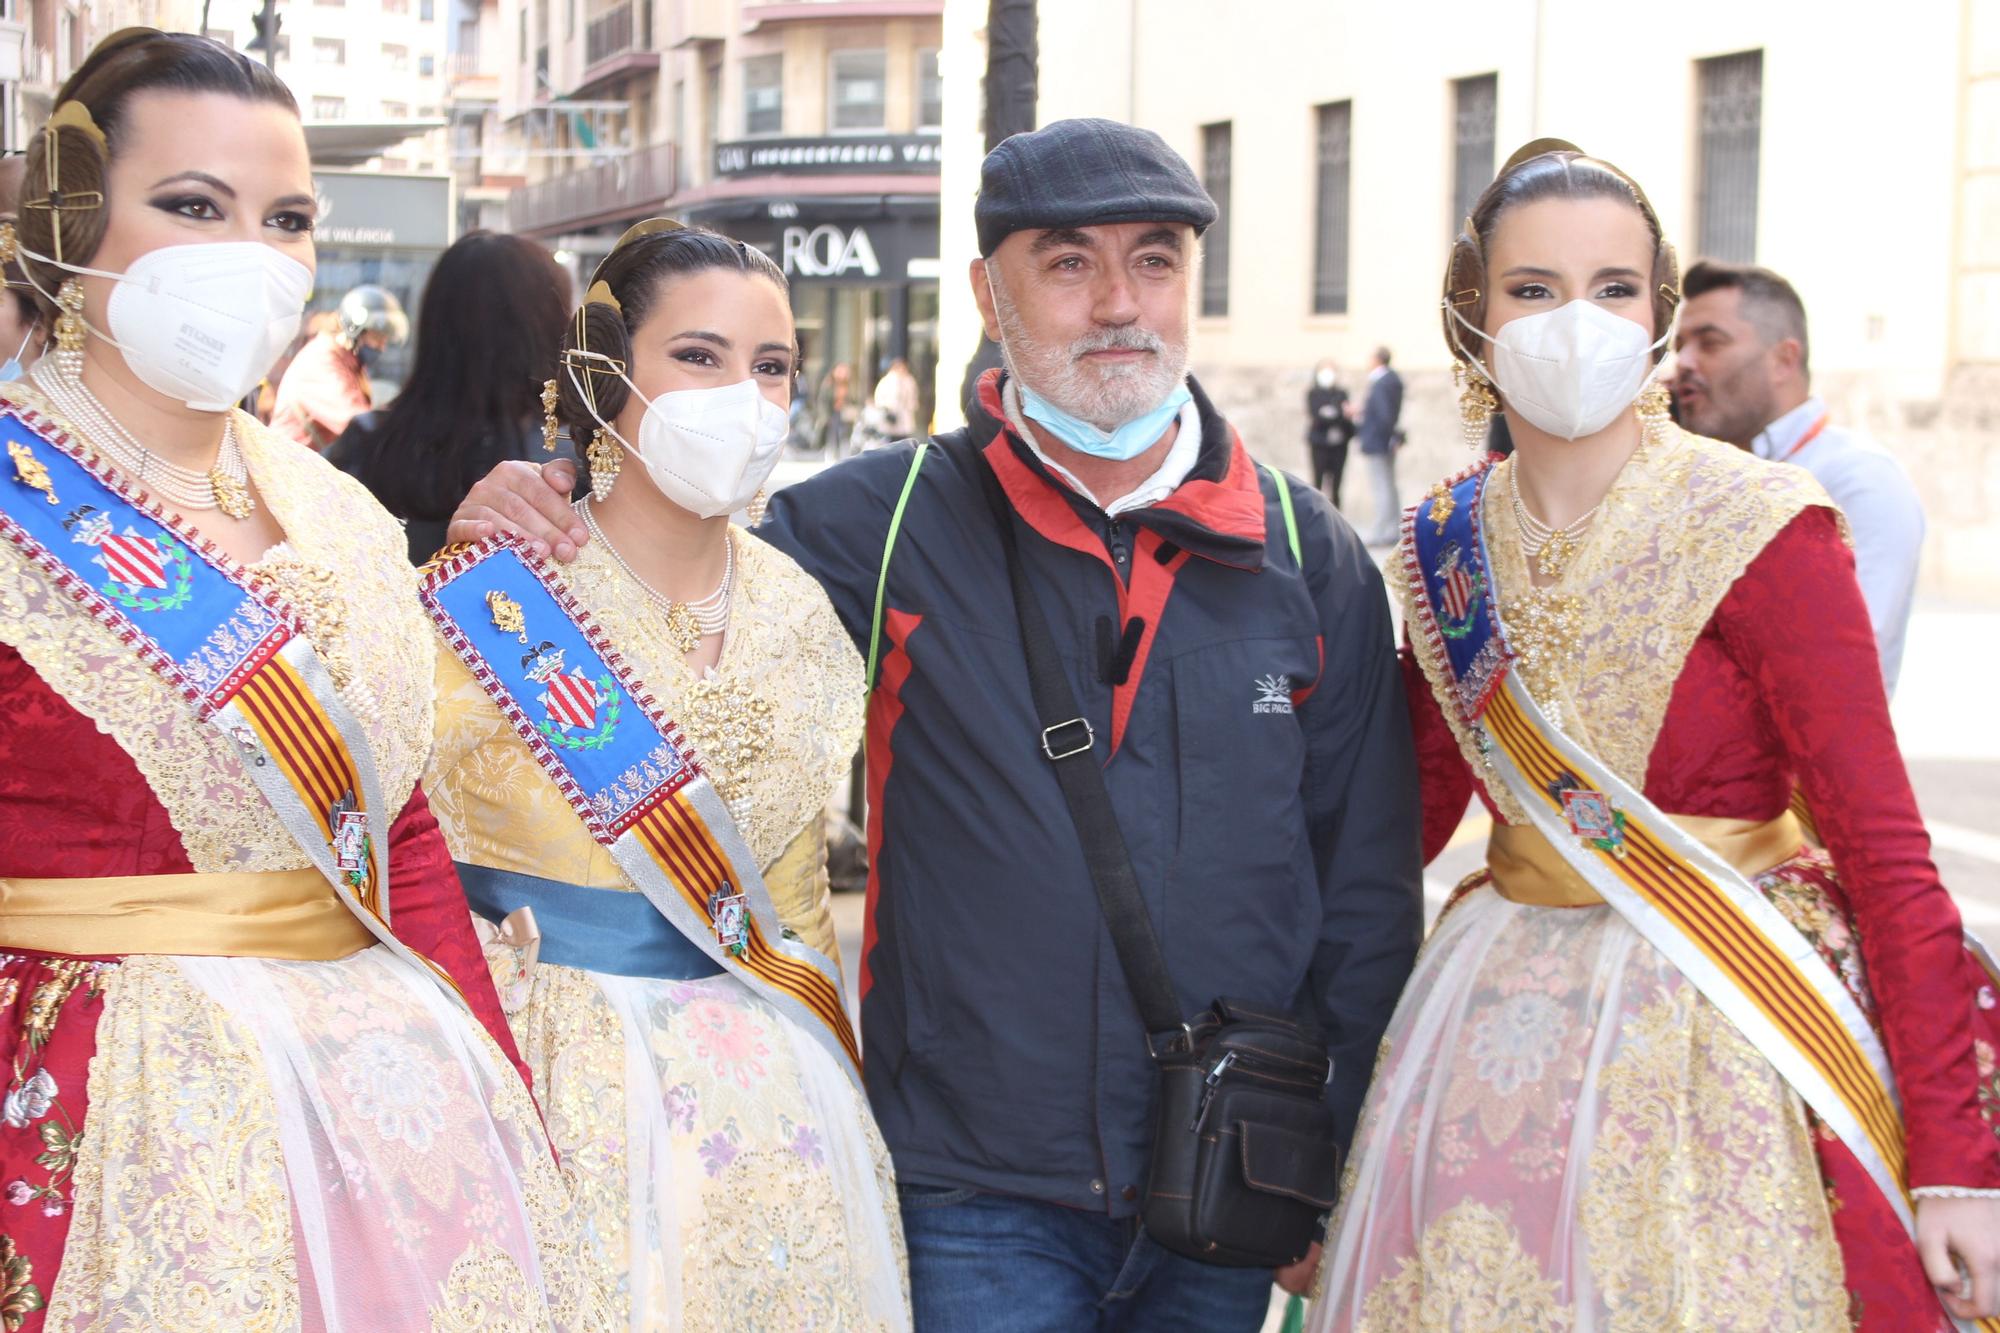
(1257, 750)
(1380, 412)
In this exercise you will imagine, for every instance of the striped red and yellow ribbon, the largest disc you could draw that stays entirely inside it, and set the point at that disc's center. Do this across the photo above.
(308, 748)
(1715, 925)
(677, 838)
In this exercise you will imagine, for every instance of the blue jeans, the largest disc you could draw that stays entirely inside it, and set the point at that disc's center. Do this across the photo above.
(988, 1263)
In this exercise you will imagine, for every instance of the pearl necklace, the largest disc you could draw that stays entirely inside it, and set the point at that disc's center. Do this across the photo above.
(1551, 548)
(224, 487)
(687, 623)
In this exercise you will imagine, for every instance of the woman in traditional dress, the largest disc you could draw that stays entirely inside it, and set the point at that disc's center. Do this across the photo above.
(235, 1096)
(1645, 1074)
(633, 755)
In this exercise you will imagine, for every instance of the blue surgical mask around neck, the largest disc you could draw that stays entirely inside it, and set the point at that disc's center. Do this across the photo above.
(13, 370)
(1128, 441)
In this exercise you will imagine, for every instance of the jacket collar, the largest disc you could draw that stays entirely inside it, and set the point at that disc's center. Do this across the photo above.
(1216, 514)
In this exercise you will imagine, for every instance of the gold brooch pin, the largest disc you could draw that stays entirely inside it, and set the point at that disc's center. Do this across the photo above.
(506, 613)
(30, 471)
(1442, 505)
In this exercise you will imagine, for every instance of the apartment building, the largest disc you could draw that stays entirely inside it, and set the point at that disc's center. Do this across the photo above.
(809, 128)
(1345, 142)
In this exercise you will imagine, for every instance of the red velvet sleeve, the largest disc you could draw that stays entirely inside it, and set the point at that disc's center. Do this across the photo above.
(432, 918)
(1796, 624)
(1444, 779)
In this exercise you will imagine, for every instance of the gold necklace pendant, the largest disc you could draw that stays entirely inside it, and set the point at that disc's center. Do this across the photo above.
(682, 629)
(1555, 555)
(232, 497)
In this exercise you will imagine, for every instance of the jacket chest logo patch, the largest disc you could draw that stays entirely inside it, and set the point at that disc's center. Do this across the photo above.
(1274, 695)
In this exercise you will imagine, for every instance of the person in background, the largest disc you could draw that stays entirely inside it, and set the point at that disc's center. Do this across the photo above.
(326, 386)
(1382, 409)
(1745, 376)
(836, 412)
(896, 395)
(23, 332)
(1328, 429)
(492, 320)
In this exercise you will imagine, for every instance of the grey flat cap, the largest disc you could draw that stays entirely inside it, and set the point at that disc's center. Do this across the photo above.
(1085, 173)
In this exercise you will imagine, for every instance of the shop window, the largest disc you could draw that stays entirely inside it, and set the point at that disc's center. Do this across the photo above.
(930, 90)
(1215, 166)
(1334, 143)
(1732, 119)
(1475, 104)
(764, 95)
(860, 84)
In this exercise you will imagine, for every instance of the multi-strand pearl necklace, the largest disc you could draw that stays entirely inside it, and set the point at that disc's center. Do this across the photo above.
(1551, 548)
(687, 623)
(224, 487)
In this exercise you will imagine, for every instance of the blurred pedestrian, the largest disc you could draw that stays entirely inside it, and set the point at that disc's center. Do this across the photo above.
(326, 384)
(491, 322)
(836, 412)
(896, 395)
(1745, 376)
(1328, 429)
(1381, 435)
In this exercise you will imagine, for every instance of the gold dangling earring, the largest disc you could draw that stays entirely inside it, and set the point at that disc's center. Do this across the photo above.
(1656, 418)
(753, 513)
(70, 328)
(549, 428)
(604, 463)
(1476, 406)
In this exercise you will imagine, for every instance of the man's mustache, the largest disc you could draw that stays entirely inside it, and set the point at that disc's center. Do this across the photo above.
(1126, 339)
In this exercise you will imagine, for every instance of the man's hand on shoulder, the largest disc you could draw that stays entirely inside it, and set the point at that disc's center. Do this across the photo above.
(522, 500)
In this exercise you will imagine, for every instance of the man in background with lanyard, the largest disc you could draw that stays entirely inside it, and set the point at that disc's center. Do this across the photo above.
(1744, 377)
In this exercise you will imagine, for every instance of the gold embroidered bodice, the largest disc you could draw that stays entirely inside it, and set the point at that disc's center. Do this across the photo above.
(341, 567)
(1601, 648)
(775, 721)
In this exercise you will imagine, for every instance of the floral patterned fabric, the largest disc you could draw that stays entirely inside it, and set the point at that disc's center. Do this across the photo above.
(728, 1172)
(234, 1143)
(1562, 1133)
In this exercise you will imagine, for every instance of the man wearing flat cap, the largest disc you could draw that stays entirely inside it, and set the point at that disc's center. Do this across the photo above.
(1237, 672)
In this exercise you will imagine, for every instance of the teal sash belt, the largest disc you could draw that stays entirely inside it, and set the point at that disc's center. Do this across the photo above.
(594, 930)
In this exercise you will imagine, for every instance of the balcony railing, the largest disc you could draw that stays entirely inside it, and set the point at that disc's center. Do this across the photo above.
(636, 180)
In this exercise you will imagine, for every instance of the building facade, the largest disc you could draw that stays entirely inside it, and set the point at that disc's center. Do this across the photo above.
(1345, 143)
(809, 128)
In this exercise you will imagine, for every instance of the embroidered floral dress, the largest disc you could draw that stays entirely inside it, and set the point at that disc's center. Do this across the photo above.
(1562, 1133)
(196, 1142)
(729, 1171)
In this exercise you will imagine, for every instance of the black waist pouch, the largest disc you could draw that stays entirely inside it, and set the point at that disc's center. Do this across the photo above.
(1244, 1157)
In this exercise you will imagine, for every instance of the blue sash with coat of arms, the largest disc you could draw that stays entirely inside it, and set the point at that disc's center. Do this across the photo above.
(628, 773)
(236, 654)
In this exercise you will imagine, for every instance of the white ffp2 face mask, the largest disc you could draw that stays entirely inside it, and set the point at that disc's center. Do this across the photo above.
(708, 450)
(1569, 371)
(202, 322)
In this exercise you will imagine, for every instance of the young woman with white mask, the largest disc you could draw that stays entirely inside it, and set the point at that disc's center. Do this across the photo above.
(246, 1078)
(633, 754)
(1675, 1058)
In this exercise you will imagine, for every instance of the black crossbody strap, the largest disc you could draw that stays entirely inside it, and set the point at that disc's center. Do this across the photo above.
(1067, 742)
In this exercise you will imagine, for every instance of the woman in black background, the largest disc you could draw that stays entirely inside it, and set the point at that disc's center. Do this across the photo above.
(1327, 429)
(490, 326)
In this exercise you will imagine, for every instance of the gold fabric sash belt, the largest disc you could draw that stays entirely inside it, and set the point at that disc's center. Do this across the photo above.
(291, 914)
(1526, 867)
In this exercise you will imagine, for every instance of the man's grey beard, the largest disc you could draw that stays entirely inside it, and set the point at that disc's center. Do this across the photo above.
(1107, 396)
